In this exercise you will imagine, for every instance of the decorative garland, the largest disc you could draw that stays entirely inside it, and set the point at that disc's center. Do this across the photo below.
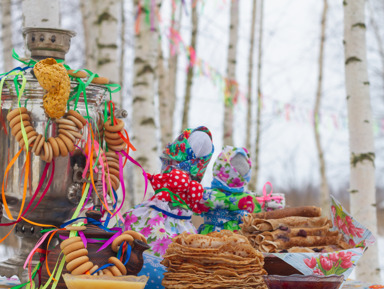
(78, 263)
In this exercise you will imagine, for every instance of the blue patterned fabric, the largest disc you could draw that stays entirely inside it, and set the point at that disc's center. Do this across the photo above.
(154, 270)
(219, 219)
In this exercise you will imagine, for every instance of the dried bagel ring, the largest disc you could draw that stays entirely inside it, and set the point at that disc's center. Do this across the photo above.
(40, 146)
(136, 235)
(115, 271)
(69, 241)
(65, 121)
(55, 147)
(76, 263)
(78, 123)
(78, 116)
(15, 112)
(69, 127)
(76, 254)
(36, 143)
(18, 119)
(114, 142)
(62, 147)
(19, 135)
(114, 165)
(114, 128)
(100, 80)
(112, 155)
(68, 142)
(93, 269)
(67, 134)
(79, 74)
(30, 141)
(119, 240)
(111, 135)
(82, 268)
(17, 127)
(107, 272)
(118, 264)
(76, 134)
(73, 247)
(117, 148)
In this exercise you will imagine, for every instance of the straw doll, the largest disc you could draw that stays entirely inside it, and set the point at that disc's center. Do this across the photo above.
(226, 199)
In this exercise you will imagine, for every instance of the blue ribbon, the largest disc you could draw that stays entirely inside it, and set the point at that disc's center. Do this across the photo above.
(90, 221)
(127, 257)
(170, 214)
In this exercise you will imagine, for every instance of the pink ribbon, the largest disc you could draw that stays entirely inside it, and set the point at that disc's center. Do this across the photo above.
(268, 197)
(137, 164)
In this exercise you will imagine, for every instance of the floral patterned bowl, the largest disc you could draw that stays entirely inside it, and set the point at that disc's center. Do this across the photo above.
(303, 282)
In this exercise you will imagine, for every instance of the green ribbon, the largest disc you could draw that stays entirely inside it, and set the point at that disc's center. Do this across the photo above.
(176, 199)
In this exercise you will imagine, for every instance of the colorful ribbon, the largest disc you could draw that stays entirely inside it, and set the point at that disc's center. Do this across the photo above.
(267, 197)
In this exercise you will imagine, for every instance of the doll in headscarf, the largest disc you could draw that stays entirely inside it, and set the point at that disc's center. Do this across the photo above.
(227, 199)
(177, 191)
(178, 194)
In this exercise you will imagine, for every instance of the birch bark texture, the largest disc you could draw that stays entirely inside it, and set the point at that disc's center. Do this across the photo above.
(255, 174)
(324, 189)
(143, 106)
(248, 142)
(362, 155)
(189, 84)
(6, 29)
(101, 19)
(35, 16)
(167, 81)
(231, 72)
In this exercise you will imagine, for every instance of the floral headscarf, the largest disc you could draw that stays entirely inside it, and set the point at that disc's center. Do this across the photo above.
(225, 175)
(180, 155)
(177, 188)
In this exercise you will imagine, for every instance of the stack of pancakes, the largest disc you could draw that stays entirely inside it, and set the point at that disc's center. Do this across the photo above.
(217, 260)
(300, 229)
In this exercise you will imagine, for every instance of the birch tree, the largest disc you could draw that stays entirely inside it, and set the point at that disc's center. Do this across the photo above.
(362, 155)
(35, 16)
(231, 71)
(143, 107)
(101, 19)
(255, 167)
(188, 87)
(324, 189)
(6, 29)
(248, 144)
(167, 81)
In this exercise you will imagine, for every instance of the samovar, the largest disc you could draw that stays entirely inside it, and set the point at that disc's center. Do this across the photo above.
(65, 190)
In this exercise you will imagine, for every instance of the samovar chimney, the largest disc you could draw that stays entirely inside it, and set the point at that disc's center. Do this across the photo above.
(48, 42)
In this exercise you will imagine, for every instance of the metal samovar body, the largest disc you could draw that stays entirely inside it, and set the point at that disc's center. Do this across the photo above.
(63, 195)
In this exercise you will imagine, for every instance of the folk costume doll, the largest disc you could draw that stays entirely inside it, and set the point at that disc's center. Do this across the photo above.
(227, 199)
(178, 194)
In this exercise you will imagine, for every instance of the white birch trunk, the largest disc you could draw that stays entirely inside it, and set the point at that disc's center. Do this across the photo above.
(166, 119)
(231, 71)
(143, 108)
(36, 16)
(188, 87)
(255, 174)
(167, 135)
(6, 26)
(167, 84)
(248, 143)
(324, 189)
(362, 180)
(101, 32)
